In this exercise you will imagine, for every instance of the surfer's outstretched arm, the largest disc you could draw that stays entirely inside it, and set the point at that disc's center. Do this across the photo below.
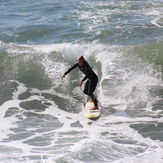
(70, 69)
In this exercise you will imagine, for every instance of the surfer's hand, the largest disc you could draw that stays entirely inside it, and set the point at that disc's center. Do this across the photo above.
(80, 84)
(62, 77)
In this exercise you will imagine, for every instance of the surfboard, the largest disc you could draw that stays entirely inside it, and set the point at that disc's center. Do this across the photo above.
(92, 114)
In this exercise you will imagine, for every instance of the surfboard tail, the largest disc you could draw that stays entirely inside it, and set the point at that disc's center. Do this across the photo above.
(92, 114)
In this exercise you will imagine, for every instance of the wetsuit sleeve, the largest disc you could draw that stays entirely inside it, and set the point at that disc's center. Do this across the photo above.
(85, 77)
(71, 68)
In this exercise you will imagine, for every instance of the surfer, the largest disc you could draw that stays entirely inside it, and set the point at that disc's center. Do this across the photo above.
(92, 78)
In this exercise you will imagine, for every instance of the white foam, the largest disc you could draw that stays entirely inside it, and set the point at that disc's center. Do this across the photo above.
(6, 123)
(158, 22)
(21, 88)
(67, 50)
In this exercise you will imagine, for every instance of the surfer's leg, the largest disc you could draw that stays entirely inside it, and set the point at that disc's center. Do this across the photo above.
(89, 88)
(92, 89)
(86, 88)
(94, 99)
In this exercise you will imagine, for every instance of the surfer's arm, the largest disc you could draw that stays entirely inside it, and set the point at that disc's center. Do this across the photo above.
(85, 77)
(70, 69)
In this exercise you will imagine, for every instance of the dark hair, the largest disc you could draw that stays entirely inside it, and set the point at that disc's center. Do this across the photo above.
(81, 58)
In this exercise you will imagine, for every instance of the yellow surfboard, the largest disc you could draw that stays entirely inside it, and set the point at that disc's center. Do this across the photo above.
(92, 114)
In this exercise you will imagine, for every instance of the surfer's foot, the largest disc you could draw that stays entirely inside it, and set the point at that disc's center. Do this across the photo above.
(94, 108)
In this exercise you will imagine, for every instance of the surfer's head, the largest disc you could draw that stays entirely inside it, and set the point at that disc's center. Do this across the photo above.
(81, 60)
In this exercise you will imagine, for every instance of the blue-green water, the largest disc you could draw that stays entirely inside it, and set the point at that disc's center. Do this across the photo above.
(41, 116)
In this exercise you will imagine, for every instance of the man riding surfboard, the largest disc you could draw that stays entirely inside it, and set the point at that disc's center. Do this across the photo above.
(90, 76)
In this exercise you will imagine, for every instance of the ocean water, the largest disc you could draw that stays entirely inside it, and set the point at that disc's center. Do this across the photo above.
(41, 116)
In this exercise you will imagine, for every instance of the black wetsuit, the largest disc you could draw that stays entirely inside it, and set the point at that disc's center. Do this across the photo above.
(92, 81)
